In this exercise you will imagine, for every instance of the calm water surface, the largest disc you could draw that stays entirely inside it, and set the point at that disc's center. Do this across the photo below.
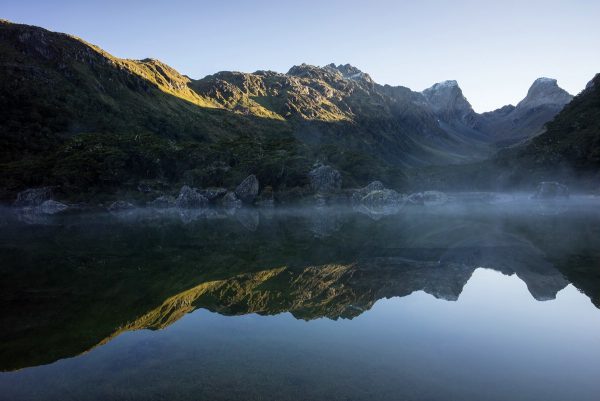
(464, 301)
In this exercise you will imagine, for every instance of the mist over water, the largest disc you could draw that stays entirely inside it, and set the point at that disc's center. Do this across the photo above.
(449, 300)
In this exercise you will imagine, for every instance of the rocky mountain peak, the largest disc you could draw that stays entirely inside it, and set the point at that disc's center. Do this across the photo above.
(445, 85)
(348, 71)
(545, 91)
(446, 98)
(330, 72)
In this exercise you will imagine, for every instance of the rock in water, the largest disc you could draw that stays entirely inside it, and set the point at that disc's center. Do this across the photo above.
(325, 179)
(120, 205)
(213, 194)
(248, 189)
(551, 190)
(189, 198)
(374, 186)
(33, 196)
(162, 202)
(52, 207)
(360, 193)
(428, 198)
(384, 197)
(230, 200)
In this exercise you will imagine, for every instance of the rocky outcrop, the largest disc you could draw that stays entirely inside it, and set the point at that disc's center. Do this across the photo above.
(551, 190)
(230, 200)
(213, 194)
(383, 197)
(325, 179)
(248, 189)
(189, 198)
(376, 201)
(33, 197)
(52, 207)
(360, 193)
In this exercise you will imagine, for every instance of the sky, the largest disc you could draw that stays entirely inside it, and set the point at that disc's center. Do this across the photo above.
(494, 49)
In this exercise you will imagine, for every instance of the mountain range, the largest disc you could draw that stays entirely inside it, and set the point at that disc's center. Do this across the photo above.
(76, 117)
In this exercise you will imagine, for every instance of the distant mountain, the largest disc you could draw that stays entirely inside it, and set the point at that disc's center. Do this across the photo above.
(74, 116)
(571, 142)
(448, 102)
(395, 125)
(455, 114)
(567, 149)
(511, 124)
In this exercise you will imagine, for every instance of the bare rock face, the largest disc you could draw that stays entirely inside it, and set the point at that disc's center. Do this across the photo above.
(545, 91)
(447, 101)
(33, 197)
(248, 189)
(189, 198)
(551, 190)
(325, 179)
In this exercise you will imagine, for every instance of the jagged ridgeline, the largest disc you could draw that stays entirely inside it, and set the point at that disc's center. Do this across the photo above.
(74, 116)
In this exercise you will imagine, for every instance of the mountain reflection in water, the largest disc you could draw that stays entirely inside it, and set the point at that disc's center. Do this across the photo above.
(71, 283)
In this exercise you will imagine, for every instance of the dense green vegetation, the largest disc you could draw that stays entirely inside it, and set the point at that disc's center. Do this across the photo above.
(94, 125)
(573, 138)
(76, 117)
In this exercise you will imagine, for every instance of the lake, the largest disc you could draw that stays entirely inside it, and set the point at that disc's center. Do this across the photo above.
(477, 299)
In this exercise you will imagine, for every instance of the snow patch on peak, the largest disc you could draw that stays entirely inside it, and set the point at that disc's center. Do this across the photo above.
(446, 84)
(447, 100)
(545, 91)
(545, 81)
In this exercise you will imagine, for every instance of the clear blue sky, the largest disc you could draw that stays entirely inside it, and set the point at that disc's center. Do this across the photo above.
(494, 49)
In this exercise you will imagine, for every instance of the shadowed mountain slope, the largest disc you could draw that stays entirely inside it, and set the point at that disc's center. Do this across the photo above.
(76, 117)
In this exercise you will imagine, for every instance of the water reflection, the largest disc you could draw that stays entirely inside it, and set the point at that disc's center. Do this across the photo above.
(72, 283)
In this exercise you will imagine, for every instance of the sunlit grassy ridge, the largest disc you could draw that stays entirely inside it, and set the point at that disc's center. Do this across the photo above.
(60, 97)
(76, 117)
